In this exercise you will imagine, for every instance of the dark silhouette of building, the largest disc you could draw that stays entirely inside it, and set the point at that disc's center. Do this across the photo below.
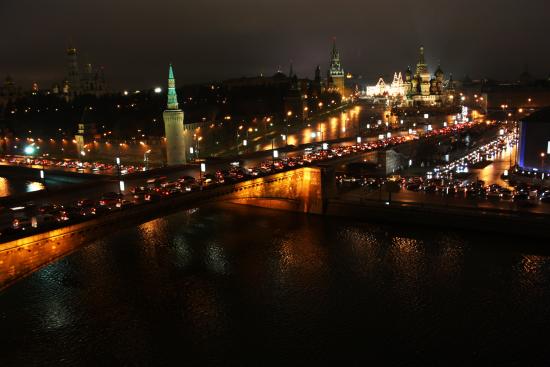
(534, 141)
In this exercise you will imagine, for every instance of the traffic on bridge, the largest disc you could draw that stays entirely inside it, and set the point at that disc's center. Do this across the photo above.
(30, 217)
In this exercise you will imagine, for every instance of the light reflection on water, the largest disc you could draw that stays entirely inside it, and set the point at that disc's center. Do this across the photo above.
(4, 187)
(34, 186)
(10, 186)
(223, 285)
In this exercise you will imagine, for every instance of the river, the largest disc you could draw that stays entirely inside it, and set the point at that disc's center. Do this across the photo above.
(234, 285)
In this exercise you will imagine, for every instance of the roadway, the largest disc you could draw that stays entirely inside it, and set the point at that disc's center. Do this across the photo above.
(491, 174)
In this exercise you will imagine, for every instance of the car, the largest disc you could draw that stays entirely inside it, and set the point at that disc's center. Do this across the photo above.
(122, 204)
(208, 179)
(415, 186)
(21, 224)
(187, 180)
(170, 191)
(49, 208)
(86, 211)
(83, 203)
(253, 172)
(188, 188)
(494, 195)
(430, 189)
(520, 196)
(156, 181)
(110, 199)
(61, 216)
(152, 197)
(545, 197)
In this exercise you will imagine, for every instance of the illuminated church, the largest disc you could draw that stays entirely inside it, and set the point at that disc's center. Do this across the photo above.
(418, 89)
(421, 88)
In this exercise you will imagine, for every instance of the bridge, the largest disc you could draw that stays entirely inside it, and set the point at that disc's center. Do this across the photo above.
(302, 189)
(305, 189)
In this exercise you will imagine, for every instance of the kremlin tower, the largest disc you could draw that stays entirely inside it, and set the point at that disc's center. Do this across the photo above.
(336, 72)
(173, 125)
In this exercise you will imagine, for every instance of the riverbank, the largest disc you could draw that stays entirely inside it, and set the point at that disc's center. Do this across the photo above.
(497, 221)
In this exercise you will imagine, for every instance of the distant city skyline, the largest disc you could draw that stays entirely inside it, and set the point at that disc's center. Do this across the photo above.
(135, 41)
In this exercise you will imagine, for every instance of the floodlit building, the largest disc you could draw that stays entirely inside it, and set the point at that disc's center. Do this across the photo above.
(173, 126)
(418, 89)
(395, 89)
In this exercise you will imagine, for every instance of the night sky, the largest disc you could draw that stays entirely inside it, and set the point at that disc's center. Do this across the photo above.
(213, 39)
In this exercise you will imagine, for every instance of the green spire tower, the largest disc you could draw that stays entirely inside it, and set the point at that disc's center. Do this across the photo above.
(176, 137)
(172, 96)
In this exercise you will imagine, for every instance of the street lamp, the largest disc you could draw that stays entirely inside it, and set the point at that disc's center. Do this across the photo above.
(197, 149)
(29, 150)
(274, 156)
(43, 176)
(201, 172)
(542, 156)
(121, 183)
(146, 159)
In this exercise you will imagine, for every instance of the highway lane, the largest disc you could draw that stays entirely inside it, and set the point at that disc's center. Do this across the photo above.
(458, 200)
(492, 173)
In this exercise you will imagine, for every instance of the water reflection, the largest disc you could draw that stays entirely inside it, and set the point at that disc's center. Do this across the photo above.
(4, 187)
(11, 186)
(532, 275)
(226, 283)
(215, 258)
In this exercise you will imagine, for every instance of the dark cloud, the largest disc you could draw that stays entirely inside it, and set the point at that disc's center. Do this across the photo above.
(213, 39)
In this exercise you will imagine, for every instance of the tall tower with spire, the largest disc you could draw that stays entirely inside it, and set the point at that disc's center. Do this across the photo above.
(336, 72)
(173, 125)
(73, 75)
